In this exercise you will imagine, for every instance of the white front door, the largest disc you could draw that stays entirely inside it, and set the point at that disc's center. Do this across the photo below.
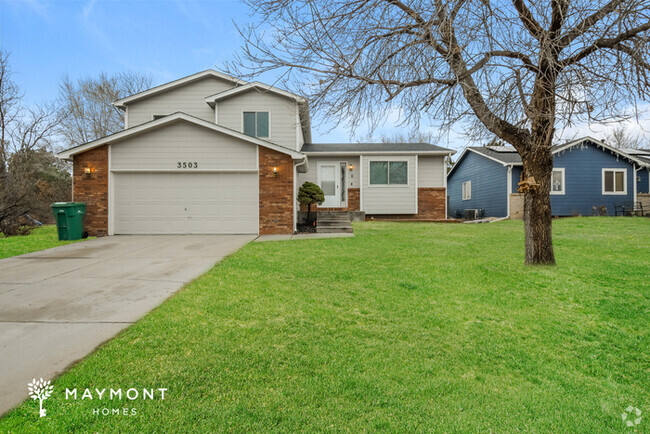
(329, 182)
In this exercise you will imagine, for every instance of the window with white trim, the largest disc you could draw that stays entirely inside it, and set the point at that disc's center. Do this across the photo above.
(557, 181)
(256, 124)
(467, 190)
(615, 181)
(388, 173)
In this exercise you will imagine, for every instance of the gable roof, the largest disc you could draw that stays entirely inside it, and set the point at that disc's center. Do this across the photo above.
(599, 144)
(212, 99)
(121, 103)
(382, 148)
(508, 156)
(303, 105)
(167, 120)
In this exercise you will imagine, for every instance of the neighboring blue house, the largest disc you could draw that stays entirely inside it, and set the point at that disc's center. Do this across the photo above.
(587, 173)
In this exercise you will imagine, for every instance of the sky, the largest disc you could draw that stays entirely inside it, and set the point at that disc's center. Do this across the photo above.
(167, 39)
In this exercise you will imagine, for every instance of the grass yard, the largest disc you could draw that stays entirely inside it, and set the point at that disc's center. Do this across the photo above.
(406, 327)
(41, 238)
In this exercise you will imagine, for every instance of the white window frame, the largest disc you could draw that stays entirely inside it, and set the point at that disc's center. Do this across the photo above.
(256, 111)
(466, 190)
(563, 191)
(408, 171)
(614, 193)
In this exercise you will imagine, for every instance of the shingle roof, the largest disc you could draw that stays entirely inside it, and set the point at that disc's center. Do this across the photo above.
(509, 156)
(361, 148)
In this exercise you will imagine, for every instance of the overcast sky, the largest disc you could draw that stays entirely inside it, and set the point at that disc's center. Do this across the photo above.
(168, 39)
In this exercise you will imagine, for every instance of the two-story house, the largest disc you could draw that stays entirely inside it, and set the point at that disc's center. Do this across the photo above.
(212, 154)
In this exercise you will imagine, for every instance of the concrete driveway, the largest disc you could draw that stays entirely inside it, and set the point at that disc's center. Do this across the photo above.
(57, 305)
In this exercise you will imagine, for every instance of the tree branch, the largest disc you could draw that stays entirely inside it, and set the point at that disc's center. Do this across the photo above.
(527, 18)
(603, 43)
(588, 22)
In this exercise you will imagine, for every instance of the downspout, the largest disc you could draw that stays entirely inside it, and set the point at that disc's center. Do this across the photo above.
(509, 187)
(634, 170)
(295, 192)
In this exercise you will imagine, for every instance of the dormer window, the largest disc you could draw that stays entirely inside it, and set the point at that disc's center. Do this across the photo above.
(256, 124)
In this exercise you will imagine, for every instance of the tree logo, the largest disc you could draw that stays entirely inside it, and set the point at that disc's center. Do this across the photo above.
(631, 416)
(40, 390)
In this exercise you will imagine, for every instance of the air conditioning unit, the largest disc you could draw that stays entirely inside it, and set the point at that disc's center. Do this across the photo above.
(471, 214)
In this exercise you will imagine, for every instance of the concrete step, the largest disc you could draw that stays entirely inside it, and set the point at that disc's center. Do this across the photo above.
(334, 229)
(333, 224)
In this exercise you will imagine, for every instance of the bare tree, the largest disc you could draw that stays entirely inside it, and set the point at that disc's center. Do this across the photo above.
(621, 138)
(9, 108)
(30, 175)
(518, 68)
(87, 105)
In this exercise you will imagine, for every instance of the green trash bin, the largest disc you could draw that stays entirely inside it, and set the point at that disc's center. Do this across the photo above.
(69, 218)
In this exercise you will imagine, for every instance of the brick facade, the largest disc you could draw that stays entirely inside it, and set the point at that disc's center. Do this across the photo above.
(431, 202)
(92, 188)
(276, 192)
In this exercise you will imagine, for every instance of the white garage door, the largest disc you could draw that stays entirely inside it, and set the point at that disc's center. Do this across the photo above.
(185, 203)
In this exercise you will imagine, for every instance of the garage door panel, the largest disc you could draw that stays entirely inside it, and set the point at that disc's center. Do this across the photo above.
(180, 203)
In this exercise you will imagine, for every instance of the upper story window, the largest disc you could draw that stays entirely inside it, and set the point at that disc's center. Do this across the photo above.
(388, 173)
(557, 181)
(467, 190)
(256, 124)
(614, 181)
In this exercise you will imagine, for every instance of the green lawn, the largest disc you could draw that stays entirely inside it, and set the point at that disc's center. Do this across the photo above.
(406, 327)
(41, 238)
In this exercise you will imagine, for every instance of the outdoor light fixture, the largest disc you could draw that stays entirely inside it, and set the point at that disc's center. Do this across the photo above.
(275, 171)
(351, 167)
(87, 170)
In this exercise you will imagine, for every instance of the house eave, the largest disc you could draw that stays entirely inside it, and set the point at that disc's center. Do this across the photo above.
(167, 120)
(123, 102)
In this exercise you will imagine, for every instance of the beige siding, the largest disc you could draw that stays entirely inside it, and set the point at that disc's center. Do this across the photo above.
(189, 99)
(312, 175)
(282, 114)
(389, 199)
(431, 172)
(163, 148)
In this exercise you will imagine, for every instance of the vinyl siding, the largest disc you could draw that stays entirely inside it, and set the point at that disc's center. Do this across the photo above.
(489, 186)
(389, 199)
(431, 171)
(642, 185)
(516, 178)
(189, 99)
(312, 174)
(163, 148)
(282, 114)
(583, 184)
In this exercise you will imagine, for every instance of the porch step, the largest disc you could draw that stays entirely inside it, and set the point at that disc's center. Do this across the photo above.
(333, 222)
(334, 230)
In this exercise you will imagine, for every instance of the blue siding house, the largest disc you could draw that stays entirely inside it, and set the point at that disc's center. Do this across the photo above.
(587, 173)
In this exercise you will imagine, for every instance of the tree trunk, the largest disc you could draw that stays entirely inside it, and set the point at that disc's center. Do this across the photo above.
(537, 209)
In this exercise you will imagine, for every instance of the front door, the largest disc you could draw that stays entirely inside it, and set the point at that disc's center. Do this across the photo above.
(329, 181)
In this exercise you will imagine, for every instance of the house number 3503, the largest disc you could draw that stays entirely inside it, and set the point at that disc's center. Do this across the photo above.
(187, 165)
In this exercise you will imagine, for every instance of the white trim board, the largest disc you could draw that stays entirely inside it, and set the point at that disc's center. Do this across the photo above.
(256, 85)
(614, 193)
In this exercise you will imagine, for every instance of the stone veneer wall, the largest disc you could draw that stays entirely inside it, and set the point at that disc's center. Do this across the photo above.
(644, 198)
(516, 206)
(276, 192)
(92, 189)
